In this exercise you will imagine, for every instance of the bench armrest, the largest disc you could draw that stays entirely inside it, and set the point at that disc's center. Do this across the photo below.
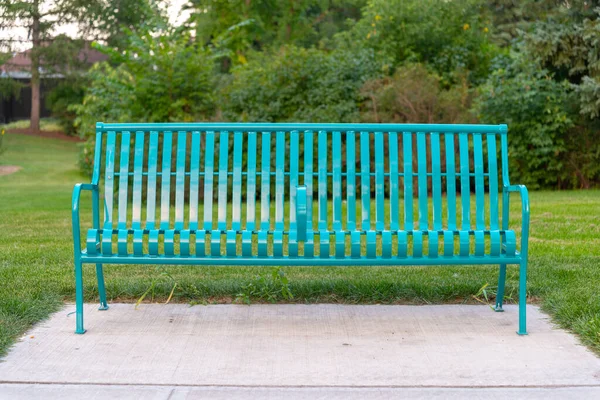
(75, 210)
(525, 214)
(301, 210)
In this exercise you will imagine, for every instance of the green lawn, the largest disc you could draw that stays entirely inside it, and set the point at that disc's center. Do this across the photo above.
(46, 124)
(36, 273)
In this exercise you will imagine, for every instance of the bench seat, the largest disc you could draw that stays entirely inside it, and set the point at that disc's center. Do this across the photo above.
(376, 245)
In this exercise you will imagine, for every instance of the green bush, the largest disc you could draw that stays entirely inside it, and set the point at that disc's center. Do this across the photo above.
(415, 95)
(450, 36)
(548, 147)
(160, 77)
(66, 93)
(297, 84)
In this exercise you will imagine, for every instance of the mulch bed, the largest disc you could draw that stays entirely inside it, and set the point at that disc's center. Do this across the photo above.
(48, 134)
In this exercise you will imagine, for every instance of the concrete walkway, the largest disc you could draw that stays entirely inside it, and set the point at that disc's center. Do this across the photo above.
(300, 352)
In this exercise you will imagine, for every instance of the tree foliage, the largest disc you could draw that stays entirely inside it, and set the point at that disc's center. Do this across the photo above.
(531, 64)
(161, 76)
(415, 95)
(450, 36)
(295, 84)
(549, 147)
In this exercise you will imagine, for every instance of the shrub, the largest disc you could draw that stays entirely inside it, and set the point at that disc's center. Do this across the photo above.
(161, 77)
(415, 95)
(297, 84)
(548, 147)
(450, 36)
(66, 93)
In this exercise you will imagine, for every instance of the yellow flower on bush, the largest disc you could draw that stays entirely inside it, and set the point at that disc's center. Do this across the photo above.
(466, 27)
(378, 18)
(486, 30)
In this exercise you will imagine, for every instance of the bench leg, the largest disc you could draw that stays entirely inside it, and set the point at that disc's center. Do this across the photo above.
(501, 285)
(523, 298)
(79, 296)
(101, 287)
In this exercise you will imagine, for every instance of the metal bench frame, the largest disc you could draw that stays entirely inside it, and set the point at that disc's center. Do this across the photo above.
(378, 239)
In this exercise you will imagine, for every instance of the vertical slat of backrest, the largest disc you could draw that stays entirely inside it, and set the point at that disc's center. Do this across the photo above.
(236, 196)
(308, 182)
(365, 181)
(351, 191)
(194, 179)
(323, 209)
(109, 179)
(151, 189)
(236, 190)
(351, 180)
(436, 181)
(250, 197)
(493, 180)
(279, 194)
(365, 163)
(379, 182)
(209, 177)
(223, 165)
(165, 190)
(322, 179)
(180, 179)
(464, 180)
(294, 151)
(265, 181)
(394, 195)
(408, 181)
(479, 182)
(422, 179)
(450, 181)
(336, 162)
(279, 180)
(294, 154)
(215, 236)
(308, 176)
(251, 183)
(138, 169)
(123, 179)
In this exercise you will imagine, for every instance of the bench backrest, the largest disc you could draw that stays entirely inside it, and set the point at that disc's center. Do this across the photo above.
(226, 176)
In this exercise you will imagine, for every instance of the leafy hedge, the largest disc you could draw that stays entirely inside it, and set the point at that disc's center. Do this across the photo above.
(296, 84)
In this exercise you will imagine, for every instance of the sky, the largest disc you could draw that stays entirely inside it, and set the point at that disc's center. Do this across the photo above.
(173, 9)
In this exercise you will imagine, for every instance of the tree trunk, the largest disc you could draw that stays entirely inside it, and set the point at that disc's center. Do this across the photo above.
(35, 69)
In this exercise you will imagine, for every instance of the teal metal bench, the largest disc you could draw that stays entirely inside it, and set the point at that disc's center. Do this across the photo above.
(343, 194)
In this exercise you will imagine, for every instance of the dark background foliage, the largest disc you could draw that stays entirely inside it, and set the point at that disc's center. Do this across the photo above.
(532, 64)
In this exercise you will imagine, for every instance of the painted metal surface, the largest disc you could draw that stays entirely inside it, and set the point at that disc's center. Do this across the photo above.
(307, 179)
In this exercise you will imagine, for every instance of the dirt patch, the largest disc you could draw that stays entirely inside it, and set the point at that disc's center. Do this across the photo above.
(8, 169)
(48, 134)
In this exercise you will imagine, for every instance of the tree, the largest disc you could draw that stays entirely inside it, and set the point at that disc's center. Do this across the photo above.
(237, 26)
(509, 17)
(296, 84)
(41, 17)
(450, 36)
(414, 95)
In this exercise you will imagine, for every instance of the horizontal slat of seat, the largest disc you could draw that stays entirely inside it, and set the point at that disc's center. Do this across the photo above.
(278, 261)
(186, 238)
